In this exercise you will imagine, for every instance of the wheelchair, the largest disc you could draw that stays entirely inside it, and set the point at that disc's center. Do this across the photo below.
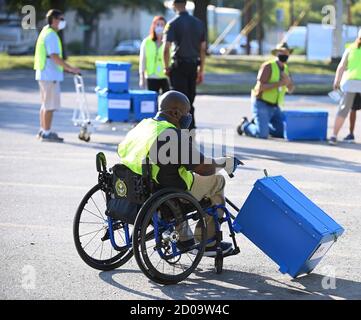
(126, 214)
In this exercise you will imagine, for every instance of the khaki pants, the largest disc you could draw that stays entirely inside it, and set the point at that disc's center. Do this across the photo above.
(211, 187)
(346, 104)
(50, 95)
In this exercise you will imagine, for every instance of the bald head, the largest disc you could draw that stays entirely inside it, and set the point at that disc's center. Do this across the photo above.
(174, 106)
(174, 101)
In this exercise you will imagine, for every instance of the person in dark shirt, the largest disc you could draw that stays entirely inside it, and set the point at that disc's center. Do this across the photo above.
(185, 65)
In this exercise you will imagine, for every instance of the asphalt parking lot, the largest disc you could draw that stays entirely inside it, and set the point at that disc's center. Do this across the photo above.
(42, 184)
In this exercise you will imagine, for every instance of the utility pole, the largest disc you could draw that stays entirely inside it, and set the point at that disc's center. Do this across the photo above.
(349, 13)
(337, 32)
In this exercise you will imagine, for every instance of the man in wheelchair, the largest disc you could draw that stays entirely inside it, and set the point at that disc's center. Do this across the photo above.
(176, 162)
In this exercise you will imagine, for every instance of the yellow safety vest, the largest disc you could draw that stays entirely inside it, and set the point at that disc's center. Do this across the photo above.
(40, 49)
(353, 71)
(275, 95)
(154, 58)
(137, 144)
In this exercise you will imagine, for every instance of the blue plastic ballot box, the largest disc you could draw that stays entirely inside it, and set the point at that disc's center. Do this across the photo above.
(113, 76)
(113, 106)
(305, 125)
(286, 225)
(144, 103)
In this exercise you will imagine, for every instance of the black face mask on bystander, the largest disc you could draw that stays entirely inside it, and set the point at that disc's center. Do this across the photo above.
(283, 58)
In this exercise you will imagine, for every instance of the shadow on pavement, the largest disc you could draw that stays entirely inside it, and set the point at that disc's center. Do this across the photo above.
(107, 276)
(236, 285)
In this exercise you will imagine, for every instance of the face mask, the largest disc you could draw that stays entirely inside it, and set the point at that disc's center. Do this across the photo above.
(283, 57)
(158, 30)
(62, 25)
(185, 121)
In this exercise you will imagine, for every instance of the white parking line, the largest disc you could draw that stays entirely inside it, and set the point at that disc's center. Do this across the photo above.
(35, 185)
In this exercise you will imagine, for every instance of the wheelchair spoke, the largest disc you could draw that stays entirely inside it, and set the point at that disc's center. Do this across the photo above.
(98, 230)
(94, 214)
(85, 222)
(92, 239)
(96, 249)
(97, 207)
(101, 251)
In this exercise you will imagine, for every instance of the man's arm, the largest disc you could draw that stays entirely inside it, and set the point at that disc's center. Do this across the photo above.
(166, 56)
(263, 78)
(203, 52)
(340, 70)
(67, 67)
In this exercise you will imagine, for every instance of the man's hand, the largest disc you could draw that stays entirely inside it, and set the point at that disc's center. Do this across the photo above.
(285, 80)
(336, 85)
(200, 77)
(167, 71)
(74, 70)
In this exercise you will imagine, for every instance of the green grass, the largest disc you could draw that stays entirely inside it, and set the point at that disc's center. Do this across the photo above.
(233, 89)
(221, 65)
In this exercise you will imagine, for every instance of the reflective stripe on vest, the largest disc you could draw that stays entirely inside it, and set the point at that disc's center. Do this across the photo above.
(275, 95)
(353, 71)
(154, 59)
(40, 49)
(136, 146)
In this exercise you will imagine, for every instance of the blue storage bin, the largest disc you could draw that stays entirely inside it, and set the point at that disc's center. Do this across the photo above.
(286, 225)
(145, 104)
(305, 125)
(114, 76)
(113, 106)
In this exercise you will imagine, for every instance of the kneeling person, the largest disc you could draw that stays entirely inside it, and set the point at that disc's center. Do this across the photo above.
(175, 160)
(273, 82)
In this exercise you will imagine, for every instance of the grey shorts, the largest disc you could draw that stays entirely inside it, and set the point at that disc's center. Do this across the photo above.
(50, 95)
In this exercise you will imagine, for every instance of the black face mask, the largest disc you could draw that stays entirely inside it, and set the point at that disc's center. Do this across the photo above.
(185, 121)
(283, 57)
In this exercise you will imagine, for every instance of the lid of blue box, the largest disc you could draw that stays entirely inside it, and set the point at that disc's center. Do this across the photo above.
(113, 95)
(301, 208)
(113, 64)
(143, 92)
(305, 113)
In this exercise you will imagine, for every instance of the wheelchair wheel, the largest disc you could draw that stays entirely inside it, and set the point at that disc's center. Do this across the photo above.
(92, 235)
(166, 257)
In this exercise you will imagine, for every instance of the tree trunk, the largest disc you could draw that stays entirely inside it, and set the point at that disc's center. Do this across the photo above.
(247, 16)
(292, 13)
(200, 11)
(260, 30)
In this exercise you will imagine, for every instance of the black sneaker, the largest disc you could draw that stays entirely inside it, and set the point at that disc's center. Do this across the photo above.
(186, 246)
(39, 134)
(332, 141)
(350, 138)
(240, 128)
(51, 137)
(212, 251)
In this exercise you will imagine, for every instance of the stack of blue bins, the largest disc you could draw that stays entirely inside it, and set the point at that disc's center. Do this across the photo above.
(286, 225)
(116, 102)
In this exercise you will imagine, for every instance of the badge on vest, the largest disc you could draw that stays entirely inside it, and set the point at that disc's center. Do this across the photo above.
(121, 188)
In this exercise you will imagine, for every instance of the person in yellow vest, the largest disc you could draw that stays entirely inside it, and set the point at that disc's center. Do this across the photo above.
(176, 161)
(151, 61)
(273, 82)
(348, 79)
(50, 65)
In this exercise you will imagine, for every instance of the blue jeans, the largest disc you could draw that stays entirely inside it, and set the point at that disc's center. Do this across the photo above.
(268, 120)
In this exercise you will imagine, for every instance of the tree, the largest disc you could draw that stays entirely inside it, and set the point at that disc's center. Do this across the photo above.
(88, 11)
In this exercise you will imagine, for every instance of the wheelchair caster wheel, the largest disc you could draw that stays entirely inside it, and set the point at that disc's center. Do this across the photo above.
(218, 262)
(84, 135)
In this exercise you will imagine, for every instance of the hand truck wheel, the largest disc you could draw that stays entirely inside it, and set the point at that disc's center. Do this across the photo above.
(218, 261)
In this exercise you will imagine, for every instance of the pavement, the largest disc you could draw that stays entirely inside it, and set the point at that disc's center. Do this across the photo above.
(41, 185)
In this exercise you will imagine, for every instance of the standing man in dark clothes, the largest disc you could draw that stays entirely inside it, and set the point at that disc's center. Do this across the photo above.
(188, 36)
